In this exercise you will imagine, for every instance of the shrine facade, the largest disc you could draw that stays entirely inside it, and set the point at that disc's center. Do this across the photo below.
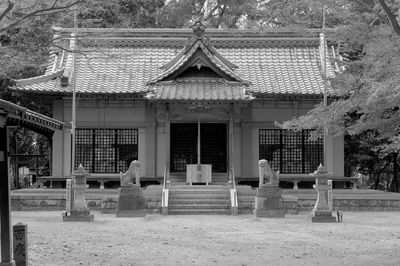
(174, 97)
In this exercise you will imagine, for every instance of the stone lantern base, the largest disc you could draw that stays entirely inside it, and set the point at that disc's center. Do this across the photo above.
(79, 216)
(268, 202)
(323, 217)
(79, 211)
(131, 202)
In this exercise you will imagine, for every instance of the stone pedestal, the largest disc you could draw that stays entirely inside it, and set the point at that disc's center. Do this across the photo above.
(131, 201)
(20, 244)
(320, 216)
(109, 205)
(10, 263)
(321, 212)
(268, 202)
(79, 211)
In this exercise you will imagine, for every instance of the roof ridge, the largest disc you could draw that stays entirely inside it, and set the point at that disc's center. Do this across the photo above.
(224, 81)
(41, 78)
(198, 42)
(188, 32)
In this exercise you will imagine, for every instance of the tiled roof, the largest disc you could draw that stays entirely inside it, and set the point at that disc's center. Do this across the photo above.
(49, 82)
(125, 64)
(184, 58)
(18, 115)
(198, 90)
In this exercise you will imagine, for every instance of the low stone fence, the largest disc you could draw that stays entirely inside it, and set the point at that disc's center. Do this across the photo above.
(302, 181)
(101, 179)
(344, 199)
(293, 201)
(96, 199)
(355, 204)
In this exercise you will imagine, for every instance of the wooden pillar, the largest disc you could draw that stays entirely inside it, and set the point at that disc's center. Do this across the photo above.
(5, 199)
(167, 141)
(295, 185)
(36, 170)
(230, 137)
(198, 145)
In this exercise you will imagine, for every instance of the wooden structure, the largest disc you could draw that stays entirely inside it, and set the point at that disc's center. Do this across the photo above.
(15, 115)
(198, 173)
(175, 97)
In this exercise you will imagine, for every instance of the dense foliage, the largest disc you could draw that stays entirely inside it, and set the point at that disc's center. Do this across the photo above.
(365, 103)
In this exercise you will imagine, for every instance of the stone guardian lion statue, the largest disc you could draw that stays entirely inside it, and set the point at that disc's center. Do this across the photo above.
(265, 173)
(131, 175)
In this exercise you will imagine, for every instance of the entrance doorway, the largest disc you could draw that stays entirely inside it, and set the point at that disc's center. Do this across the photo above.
(213, 146)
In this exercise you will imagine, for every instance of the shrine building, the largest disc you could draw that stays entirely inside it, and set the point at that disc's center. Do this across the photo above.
(175, 97)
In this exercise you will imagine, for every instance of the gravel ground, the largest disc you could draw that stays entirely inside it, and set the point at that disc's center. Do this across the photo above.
(364, 238)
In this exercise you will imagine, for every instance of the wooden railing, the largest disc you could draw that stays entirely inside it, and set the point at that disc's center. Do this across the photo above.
(233, 192)
(164, 200)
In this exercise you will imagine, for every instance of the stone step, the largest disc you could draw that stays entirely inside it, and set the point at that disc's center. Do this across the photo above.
(202, 198)
(198, 190)
(197, 201)
(199, 206)
(210, 186)
(199, 212)
(216, 178)
(199, 196)
(222, 183)
(174, 184)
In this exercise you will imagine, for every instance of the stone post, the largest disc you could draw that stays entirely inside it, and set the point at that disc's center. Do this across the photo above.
(20, 244)
(137, 174)
(321, 212)
(131, 202)
(79, 211)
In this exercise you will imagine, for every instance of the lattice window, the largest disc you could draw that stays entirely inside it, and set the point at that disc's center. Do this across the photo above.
(84, 148)
(290, 152)
(106, 150)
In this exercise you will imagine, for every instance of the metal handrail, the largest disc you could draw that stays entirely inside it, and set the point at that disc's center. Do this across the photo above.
(232, 172)
(165, 178)
(164, 197)
(234, 198)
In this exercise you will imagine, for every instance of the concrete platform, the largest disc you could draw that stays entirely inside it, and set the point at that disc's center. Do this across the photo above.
(343, 199)
(343, 194)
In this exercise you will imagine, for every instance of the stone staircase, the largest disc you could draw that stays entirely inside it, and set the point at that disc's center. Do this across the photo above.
(180, 178)
(199, 199)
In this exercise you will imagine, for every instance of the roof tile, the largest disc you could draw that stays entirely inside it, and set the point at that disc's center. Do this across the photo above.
(198, 90)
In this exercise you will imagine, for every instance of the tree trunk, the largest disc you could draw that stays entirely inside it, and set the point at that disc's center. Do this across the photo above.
(392, 17)
(395, 184)
(377, 180)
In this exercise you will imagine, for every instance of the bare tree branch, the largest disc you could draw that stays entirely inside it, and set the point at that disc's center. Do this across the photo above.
(390, 16)
(210, 14)
(54, 4)
(7, 10)
(45, 11)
